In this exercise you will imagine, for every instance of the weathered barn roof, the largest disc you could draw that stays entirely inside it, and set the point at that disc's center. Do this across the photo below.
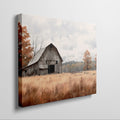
(39, 54)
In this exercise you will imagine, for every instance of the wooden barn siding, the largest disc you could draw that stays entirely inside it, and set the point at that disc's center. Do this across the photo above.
(31, 70)
(51, 54)
(44, 72)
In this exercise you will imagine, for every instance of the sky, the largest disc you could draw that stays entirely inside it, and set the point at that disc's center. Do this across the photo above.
(71, 39)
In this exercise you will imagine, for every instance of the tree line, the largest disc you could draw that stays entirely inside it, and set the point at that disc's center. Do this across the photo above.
(75, 66)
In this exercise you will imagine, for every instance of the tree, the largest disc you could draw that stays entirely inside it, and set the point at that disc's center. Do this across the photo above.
(25, 51)
(95, 60)
(37, 45)
(87, 60)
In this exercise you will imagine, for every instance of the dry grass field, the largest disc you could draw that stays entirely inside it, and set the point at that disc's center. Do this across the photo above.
(47, 88)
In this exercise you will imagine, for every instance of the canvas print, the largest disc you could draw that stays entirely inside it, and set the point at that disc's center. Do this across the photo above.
(57, 59)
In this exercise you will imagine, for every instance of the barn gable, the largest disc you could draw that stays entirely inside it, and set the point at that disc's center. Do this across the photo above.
(40, 53)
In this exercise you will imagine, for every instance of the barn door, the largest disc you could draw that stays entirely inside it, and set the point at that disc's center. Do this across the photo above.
(51, 69)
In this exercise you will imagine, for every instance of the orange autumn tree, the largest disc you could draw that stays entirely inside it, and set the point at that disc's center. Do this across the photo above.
(87, 60)
(25, 51)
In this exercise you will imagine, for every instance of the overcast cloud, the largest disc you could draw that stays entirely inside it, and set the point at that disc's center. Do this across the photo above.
(70, 38)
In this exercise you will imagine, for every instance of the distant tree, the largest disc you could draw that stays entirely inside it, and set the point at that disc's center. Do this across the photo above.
(95, 60)
(25, 51)
(87, 60)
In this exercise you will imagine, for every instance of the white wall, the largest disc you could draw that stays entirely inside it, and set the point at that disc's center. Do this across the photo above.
(106, 14)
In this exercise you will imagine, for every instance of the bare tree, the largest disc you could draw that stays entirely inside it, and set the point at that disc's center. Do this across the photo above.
(37, 45)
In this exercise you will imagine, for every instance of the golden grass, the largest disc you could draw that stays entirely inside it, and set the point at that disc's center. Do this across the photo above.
(47, 88)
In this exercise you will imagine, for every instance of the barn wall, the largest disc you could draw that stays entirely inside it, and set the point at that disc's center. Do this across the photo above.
(50, 57)
(31, 70)
(44, 72)
(58, 67)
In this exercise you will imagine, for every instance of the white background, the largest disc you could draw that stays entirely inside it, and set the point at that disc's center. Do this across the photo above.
(106, 15)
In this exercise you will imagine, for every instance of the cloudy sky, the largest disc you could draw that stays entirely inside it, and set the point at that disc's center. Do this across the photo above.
(72, 39)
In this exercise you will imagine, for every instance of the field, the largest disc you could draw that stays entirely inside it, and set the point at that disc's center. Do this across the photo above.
(47, 88)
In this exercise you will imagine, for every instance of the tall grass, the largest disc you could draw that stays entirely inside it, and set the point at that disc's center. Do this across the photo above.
(47, 88)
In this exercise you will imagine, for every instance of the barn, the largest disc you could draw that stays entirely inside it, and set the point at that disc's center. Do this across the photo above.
(46, 61)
